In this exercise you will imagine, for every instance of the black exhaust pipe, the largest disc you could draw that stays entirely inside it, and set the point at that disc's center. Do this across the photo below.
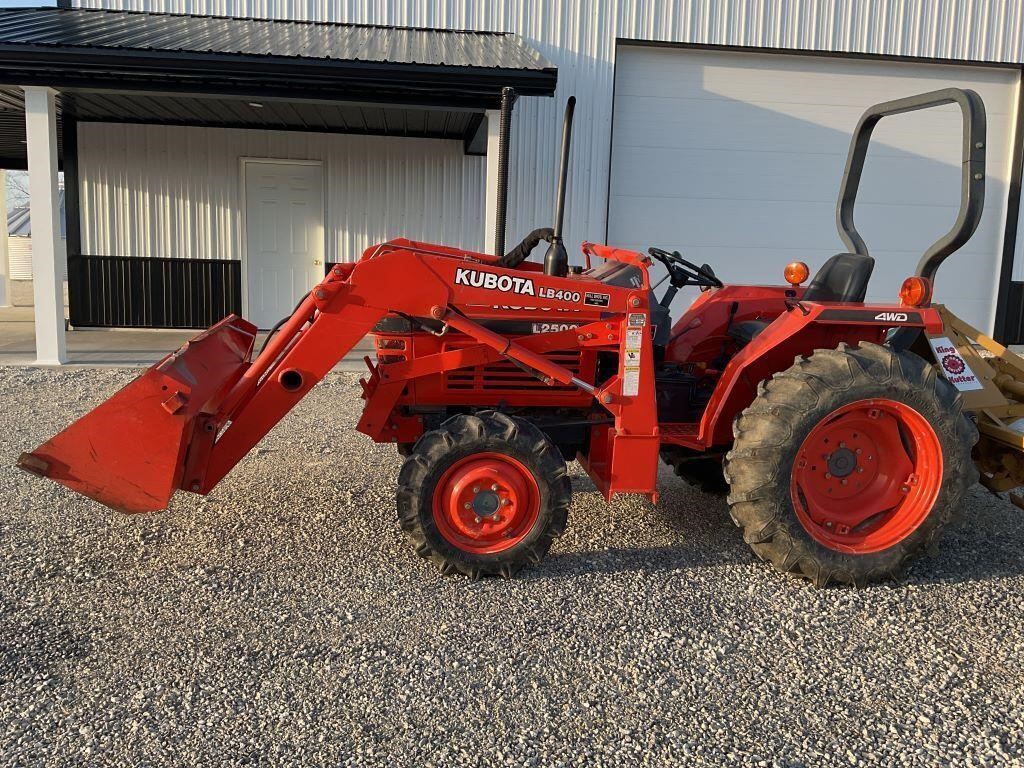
(556, 260)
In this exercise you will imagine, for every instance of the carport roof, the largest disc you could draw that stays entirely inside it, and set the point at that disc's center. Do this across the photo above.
(148, 45)
(215, 71)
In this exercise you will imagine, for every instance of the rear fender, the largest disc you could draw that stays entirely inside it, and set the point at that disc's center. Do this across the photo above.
(803, 329)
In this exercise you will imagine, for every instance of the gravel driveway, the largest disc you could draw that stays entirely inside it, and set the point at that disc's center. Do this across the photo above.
(284, 621)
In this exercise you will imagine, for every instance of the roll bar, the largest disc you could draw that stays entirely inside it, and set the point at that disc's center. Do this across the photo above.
(972, 184)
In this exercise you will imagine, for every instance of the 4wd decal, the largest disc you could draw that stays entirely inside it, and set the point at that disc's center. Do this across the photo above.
(953, 365)
(871, 316)
(490, 281)
(892, 317)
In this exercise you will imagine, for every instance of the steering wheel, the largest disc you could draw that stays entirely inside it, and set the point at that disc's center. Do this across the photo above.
(682, 272)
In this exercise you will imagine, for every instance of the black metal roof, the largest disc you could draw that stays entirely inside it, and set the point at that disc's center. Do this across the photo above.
(143, 31)
(177, 69)
(124, 49)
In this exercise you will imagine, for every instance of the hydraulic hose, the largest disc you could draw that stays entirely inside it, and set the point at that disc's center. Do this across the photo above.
(521, 252)
(279, 323)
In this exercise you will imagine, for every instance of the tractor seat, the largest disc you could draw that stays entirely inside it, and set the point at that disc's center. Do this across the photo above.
(843, 278)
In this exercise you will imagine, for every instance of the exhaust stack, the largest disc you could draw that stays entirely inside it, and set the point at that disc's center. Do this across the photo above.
(556, 260)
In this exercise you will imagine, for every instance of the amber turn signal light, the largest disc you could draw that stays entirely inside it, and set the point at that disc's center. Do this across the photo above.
(916, 292)
(796, 272)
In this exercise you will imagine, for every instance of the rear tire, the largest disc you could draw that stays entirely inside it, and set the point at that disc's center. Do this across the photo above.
(483, 495)
(836, 511)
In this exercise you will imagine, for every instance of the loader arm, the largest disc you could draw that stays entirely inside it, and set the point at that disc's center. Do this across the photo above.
(203, 408)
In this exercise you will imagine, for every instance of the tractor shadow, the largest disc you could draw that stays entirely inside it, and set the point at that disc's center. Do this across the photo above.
(692, 530)
(985, 544)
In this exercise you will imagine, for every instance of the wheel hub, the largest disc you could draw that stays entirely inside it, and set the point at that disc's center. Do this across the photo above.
(842, 462)
(486, 503)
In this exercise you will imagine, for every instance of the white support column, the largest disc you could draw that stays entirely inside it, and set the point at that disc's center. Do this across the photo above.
(47, 272)
(491, 184)
(6, 300)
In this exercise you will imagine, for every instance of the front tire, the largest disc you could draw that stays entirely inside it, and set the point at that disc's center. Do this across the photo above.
(850, 463)
(483, 495)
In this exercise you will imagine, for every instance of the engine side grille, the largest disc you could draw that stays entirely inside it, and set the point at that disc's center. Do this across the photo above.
(506, 375)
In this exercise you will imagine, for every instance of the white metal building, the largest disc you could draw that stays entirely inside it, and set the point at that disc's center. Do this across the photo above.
(19, 243)
(717, 127)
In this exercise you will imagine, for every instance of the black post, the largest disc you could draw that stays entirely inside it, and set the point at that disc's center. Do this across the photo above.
(1007, 324)
(508, 97)
(72, 216)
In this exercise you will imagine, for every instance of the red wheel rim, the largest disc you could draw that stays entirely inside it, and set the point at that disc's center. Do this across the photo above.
(486, 503)
(866, 476)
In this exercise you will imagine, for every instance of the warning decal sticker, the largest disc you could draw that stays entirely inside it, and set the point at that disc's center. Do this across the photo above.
(953, 365)
(631, 362)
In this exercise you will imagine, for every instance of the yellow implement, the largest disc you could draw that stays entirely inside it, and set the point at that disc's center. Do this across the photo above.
(997, 398)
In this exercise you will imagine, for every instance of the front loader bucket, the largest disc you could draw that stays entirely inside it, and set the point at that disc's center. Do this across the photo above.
(129, 452)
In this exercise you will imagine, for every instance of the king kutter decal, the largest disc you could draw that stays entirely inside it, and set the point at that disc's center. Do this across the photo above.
(953, 366)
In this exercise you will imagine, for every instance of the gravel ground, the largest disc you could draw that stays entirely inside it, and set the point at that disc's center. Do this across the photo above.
(285, 621)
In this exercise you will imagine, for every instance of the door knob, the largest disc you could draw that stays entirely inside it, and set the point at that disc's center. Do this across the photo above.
(316, 262)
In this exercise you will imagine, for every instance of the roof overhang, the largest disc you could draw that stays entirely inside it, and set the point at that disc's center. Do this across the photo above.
(122, 66)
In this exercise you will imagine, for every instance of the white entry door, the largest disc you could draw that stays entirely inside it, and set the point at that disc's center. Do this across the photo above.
(284, 236)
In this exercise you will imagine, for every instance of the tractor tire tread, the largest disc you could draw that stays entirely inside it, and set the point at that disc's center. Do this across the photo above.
(768, 433)
(463, 435)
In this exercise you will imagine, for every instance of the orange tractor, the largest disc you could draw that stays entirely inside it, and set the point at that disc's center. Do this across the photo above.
(843, 430)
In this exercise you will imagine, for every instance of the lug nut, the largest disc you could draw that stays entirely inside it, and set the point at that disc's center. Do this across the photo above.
(467, 505)
(476, 489)
(506, 502)
(494, 487)
(477, 519)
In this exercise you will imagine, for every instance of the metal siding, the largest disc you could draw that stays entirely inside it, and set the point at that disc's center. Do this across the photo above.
(133, 292)
(173, 192)
(579, 37)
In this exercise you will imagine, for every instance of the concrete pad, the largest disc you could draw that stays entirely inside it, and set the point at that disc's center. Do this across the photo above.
(120, 347)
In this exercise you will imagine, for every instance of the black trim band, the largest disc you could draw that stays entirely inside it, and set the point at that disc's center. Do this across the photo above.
(136, 292)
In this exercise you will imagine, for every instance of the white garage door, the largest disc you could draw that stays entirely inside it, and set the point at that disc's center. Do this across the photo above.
(735, 159)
